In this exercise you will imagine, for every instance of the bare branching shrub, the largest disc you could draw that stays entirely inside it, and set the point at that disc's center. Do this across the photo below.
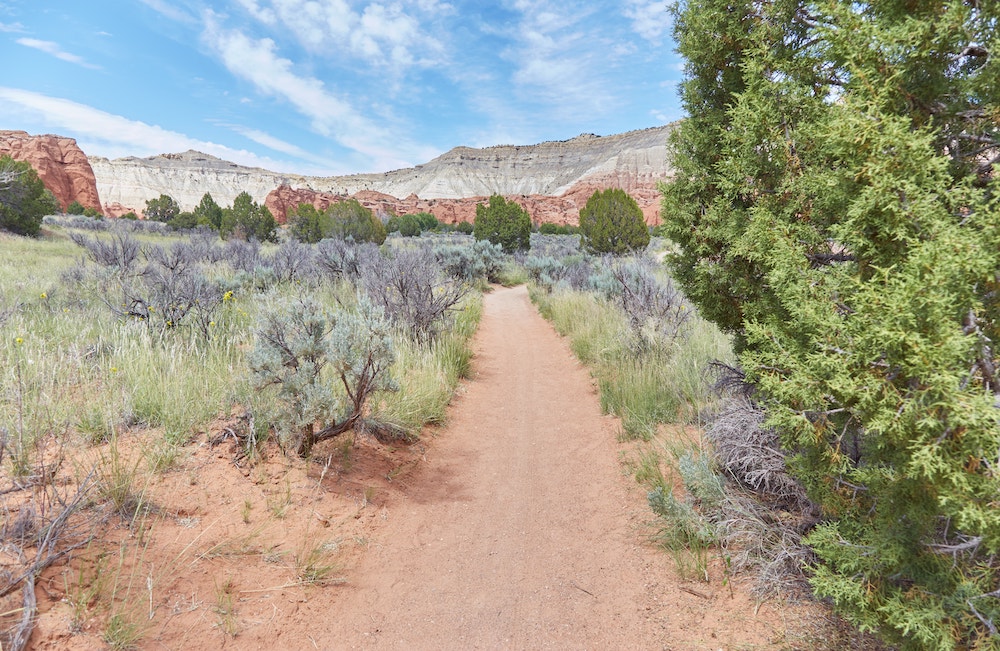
(337, 258)
(292, 261)
(324, 365)
(45, 529)
(412, 290)
(119, 253)
(748, 451)
(205, 247)
(658, 313)
(179, 258)
(243, 255)
(169, 291)
(555, 246)
(170, 298)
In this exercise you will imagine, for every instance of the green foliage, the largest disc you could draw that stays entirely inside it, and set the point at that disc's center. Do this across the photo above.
(549, 228)
(183, 220)
(612, 222)
(92, 212)
(505, 223)
(74, 208)
(408, 226)
(24, 200)
(308, 225)
(161, 209)
(208, 213)
(350, 219)
(248, 220)
(427, 221)
(465, 227)
(130, 216)
(836, 209)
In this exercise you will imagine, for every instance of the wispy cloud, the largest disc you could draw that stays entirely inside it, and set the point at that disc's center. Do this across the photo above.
(257, 61)
(559, 59)
(171, 11)
(12, 27)
(277, 144)
(52, 48)
(386, 35)
(113, 135)
(650, 18)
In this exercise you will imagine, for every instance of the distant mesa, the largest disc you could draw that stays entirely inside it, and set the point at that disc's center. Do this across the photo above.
(552, 180)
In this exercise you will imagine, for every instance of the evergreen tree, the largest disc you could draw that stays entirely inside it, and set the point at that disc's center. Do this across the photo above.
(248, 220)
(836, 210)
(75, 208)
(350, 219)
(24, 200)
(503, 222)
(208, 213)
(612, 222)
(161, 209)
(306, 224)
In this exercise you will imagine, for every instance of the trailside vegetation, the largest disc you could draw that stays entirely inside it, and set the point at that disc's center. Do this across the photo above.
(503, 222)
(612, 222)
(836, 209)
(23, 198)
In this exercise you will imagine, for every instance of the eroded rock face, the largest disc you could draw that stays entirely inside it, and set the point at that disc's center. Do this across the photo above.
(127, 183)
(552, 180)
(61, 165)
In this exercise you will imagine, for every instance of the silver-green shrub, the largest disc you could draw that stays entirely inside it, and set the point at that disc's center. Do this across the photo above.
(324, 365)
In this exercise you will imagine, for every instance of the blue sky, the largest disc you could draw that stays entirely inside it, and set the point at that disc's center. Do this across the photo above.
(332, 86)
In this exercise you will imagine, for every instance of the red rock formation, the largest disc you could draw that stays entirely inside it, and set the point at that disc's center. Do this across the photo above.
(61, 165)
(563, 209)
(284, 199)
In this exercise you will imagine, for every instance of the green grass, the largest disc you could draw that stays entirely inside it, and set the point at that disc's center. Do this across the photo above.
(70, 370)
(665, 385)
(429, 374)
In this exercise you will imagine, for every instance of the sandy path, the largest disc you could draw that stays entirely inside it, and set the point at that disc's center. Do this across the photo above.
(515, 532)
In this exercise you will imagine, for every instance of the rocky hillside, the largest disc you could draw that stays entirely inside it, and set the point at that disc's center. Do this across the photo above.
(61, 165)
(552, 179)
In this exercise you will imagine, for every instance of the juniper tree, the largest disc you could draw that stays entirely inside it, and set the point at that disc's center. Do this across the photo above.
(503, 222)
(350, 219)
(612, 222)
(836, 210)
(161, 209)
(24, 199)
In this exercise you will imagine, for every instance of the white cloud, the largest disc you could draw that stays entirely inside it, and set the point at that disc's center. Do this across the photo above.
(53, 48)
(110, 135)
(257, 61)
(11, 27)
(277, 144)
(381, 34)
(650, 18)
(557, 54)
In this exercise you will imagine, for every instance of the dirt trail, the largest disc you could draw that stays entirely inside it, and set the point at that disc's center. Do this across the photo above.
(516, 526)
(520, 530)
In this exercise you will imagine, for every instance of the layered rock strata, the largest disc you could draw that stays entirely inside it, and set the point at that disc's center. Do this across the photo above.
(553, 180)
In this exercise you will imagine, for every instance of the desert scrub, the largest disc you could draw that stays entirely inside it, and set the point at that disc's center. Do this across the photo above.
(429, 374)
(656, 382)
(324, 364)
